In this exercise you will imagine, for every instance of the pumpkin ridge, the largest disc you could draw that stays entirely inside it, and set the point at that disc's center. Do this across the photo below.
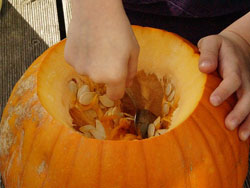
(100, 165)
(11, 161)
(228, 140)
(54, 144)
(145, 162)
(210, 149)
(224, 132)
(28, 156)
(73, 161)
(210, 89)
(18, 129)
(7, 179)
(187, 180)
(125, 162)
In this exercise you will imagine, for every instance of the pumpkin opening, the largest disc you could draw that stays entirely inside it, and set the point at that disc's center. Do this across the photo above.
(167, 68)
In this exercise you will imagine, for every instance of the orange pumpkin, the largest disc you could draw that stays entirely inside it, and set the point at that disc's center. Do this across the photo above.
(39, 147)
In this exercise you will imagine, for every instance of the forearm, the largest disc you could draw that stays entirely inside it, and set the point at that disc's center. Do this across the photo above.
(96, 10)
(241, 27)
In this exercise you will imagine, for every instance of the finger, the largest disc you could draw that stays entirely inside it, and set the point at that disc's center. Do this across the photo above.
(115, 81)
(244, 130)
(239, 113)
(116, 91)
(209, 48)
(227, 87)
(132, 68)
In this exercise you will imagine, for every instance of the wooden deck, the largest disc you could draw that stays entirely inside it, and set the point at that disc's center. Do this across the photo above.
(27, 28)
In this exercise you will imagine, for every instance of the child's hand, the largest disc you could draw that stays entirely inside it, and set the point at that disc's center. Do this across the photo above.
(230, 53)
(102, 45)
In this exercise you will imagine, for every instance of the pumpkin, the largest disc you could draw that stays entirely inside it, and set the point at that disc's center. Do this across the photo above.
(40, 146)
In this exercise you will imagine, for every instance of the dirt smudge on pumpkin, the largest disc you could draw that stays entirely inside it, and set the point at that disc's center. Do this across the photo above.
(10, 162)
(6, 137)
(38, 112)
(21, 145)
(25, 85)
(23, 110)
(41, 167)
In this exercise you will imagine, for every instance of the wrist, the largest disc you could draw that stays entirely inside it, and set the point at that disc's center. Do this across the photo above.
(96, 10)
(237, 39)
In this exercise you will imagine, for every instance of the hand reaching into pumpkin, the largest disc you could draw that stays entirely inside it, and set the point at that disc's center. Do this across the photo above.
(229, 51)
(102, 47)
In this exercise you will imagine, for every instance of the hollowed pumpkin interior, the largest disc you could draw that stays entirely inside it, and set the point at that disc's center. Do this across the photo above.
(164, 58)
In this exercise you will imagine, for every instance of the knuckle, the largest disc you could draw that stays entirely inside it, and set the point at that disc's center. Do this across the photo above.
(115, 95)
(208, 39)
(95, 77)
(79, 68)
(115, 78)
(236, 78)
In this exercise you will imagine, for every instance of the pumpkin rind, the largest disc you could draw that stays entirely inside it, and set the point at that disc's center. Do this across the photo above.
(39, 150)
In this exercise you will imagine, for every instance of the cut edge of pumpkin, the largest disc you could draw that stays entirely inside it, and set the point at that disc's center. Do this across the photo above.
(54, 96)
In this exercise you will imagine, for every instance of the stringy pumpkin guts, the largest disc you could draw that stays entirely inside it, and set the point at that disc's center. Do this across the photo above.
(97, 116)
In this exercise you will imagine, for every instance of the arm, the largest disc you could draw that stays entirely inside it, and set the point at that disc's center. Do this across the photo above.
(101, 44)
(229, 52)
(241, 27)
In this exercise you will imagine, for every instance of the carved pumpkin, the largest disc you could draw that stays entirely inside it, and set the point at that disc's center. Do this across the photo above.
(44, 142)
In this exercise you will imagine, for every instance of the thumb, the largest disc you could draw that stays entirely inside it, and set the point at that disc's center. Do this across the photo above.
(209, 51)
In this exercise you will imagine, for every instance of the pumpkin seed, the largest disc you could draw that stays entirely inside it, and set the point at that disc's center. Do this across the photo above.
(98, 134)
(86, 98)
(116, 112)
(171, 96)
(157, 121)
(130, 119)
(86, 128)
(82, 90)
(127, 115)
(108, 112)
(99, 126)
(107, 102)
(72, 87)
(87, 134)
(165, 109)
(162, 131)
(168, 89)
(151, 130)
(157, 133)
(101, 106)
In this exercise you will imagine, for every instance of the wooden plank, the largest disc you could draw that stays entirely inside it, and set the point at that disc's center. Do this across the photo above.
(67, 13)
(41, 15)
(28, 27)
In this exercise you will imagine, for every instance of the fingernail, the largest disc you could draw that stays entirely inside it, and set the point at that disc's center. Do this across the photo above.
(215, 100)
(232, 124)
(244, 135)
(204, 64)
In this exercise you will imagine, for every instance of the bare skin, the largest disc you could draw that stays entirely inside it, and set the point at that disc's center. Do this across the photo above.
(103, 47)
(229, 52)
(101, 44)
